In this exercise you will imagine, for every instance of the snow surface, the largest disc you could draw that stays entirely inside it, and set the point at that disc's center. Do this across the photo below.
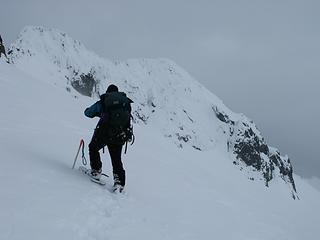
(171, 192)
(315, 182)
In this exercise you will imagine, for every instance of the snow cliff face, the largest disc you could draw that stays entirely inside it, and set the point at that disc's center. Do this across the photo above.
(250, 148)
(166, 97)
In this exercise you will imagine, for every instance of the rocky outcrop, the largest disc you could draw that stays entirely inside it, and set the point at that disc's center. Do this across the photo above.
(85, 84)
(249, 147)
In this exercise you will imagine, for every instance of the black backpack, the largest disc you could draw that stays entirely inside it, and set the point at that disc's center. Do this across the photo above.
(117, 117)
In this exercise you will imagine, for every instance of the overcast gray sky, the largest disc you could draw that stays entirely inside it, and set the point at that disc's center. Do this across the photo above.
(260, 57)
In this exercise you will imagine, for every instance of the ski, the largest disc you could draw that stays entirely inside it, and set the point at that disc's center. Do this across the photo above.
(86, 171)
(117, 189)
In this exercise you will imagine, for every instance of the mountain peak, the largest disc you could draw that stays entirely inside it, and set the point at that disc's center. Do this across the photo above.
(166, 97)
(47, 43)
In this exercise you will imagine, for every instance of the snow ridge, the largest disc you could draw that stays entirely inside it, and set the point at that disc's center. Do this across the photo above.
(166, 97)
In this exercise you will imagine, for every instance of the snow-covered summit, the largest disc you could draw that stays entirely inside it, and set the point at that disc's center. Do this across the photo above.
(51, 45)
(166, 98)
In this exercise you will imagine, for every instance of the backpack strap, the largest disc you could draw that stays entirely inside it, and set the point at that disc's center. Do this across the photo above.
(125, 150)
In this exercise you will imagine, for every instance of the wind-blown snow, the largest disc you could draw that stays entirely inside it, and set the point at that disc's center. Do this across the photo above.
(171, 192)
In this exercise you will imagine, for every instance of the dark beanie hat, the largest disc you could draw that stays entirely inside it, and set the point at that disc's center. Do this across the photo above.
(112, 88)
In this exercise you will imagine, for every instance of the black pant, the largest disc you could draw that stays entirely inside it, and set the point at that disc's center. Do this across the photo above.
(99, 141)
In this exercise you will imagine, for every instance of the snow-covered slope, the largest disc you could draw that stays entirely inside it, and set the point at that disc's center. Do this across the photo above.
(182, 180)
(166, 98)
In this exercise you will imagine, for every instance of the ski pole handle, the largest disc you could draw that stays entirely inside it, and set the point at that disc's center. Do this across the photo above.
(75, 159)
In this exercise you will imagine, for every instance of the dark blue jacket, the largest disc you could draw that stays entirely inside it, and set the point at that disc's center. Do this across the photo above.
(94, 110)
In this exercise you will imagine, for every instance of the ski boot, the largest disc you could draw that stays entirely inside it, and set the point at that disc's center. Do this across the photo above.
(95, 174)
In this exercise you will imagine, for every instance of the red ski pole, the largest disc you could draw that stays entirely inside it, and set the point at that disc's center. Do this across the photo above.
(75, 159)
